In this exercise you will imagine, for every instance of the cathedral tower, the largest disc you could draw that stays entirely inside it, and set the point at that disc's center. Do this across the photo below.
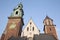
(49, 27)
(15, 23)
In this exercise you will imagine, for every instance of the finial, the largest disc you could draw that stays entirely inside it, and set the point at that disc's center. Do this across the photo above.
(46, 13)
(21, 1)
(30, 18)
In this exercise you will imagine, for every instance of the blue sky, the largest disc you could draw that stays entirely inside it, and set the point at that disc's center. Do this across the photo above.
(35, 9)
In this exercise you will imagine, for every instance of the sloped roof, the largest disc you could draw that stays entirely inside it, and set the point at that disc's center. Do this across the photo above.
(32, 22)
(47, 17)
(12, 38)
(18, 38)
(36, 37)
(44, 37)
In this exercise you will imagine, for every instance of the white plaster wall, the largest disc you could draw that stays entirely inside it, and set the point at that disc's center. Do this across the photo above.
(30, 33)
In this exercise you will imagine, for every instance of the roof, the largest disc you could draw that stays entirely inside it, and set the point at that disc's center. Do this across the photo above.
(17, 38)
(44, 37)
(36, 37)
(47, 18)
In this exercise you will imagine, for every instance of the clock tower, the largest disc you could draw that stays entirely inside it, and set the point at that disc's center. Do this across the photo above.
(15, 23)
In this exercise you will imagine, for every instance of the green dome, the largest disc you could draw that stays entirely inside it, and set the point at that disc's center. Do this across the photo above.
(18, 11)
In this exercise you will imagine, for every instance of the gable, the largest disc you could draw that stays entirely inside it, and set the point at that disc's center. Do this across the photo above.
(30, 30)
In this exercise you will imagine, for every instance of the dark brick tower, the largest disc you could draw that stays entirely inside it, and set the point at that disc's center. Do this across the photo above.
(49, 27)
(15, 23)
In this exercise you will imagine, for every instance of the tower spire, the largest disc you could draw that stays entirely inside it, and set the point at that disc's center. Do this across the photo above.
(15, 23)
(18, 11)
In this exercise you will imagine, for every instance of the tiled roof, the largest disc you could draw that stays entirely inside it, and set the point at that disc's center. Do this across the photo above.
(36, 37)
(44, 37)
(18, 38)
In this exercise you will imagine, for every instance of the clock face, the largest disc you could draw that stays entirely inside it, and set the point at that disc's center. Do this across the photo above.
(12, 26)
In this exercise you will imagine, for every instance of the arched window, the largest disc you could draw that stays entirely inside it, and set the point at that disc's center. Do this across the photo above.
(27, 28)
(16, 12)
(49, 22)
(33, 28)
(30, 23)
(50, 29)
